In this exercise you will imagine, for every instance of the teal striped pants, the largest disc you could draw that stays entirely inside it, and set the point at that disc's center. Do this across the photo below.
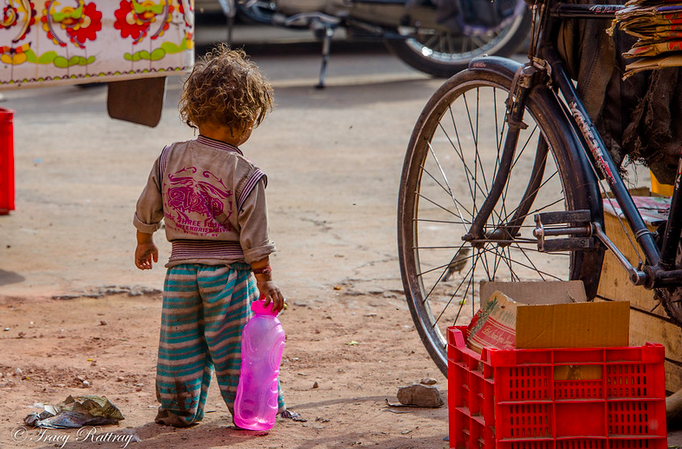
(204, 312)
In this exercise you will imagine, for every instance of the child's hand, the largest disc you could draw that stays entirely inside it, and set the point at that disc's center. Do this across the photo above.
(145, 253)
(271, 293)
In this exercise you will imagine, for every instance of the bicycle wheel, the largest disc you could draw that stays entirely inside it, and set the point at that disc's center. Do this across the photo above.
(443, 54)
(453, 156)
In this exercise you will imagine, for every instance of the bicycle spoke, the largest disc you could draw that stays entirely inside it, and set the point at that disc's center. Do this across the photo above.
(465, 279)
(531, 181)
(470, 279)
(436, 247)
(477, 154)
(441, 207)
(533, 267)
(424, 220)
(439, 267)
(459, 149)
(460, 153)
(445, 179)
(533, 212)
(457, 203)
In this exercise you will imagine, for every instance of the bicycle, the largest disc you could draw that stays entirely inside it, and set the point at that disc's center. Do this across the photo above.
(481, 199)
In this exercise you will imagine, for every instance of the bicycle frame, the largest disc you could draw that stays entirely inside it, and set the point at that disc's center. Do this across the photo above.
(545, 65)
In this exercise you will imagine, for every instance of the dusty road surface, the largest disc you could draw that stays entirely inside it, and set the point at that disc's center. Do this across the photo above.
(74, 311)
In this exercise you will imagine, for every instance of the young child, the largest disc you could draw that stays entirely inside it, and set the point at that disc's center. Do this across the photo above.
(212, 200)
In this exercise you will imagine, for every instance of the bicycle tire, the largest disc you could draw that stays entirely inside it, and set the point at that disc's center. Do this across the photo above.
(433, 53)
(431, 201)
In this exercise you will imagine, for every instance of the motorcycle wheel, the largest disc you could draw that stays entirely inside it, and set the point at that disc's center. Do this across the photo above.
(442, 54)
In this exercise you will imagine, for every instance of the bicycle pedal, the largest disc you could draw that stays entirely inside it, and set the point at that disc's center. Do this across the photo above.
(574, 227)
(567, 216)
(567, 244)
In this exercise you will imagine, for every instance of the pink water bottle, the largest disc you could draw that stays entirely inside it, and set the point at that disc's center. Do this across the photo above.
(255, 407)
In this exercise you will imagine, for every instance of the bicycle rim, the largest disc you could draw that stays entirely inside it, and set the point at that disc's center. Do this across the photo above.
(453, 157)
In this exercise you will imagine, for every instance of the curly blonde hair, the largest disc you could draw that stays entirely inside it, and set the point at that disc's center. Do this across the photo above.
(225, 88)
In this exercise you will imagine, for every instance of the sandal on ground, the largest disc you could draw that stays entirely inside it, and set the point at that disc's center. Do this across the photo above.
(294, 416)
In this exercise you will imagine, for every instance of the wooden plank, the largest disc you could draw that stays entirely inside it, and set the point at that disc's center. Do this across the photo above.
(648, 323)
(646, 328)
(614, 283)
(673, 377)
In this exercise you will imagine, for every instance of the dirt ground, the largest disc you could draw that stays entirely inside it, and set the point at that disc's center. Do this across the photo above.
(341, 369)
(73, 308)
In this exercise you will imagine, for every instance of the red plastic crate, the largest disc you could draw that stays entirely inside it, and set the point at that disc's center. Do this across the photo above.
(6, 161)
(586, 398)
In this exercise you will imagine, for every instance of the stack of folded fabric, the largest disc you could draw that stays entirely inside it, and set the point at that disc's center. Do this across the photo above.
(658, 26)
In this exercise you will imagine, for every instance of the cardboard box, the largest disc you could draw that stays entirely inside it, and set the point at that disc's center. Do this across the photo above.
(579, 325)
(532, 315)
(494, 325)
(546, 292)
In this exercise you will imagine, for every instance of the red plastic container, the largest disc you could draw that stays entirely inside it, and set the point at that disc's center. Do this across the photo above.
(6, 161)
(591, 398)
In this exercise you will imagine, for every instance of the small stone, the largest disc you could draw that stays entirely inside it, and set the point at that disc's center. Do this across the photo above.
(85, 384)
(420, 396)
(103, 323)
(316, 385)
(428, 381)
(18, 372)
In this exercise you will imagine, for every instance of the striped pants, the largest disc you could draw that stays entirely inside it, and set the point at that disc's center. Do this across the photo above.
(204, 312)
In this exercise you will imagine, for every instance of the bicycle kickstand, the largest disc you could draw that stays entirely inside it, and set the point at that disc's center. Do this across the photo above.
(326, 49)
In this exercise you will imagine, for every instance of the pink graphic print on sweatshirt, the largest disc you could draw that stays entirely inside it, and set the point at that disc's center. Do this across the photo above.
(195, 206)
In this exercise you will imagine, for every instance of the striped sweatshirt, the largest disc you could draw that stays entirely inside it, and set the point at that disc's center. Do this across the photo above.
(212, 201)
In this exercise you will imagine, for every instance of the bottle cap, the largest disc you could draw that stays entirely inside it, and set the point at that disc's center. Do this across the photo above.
(259, 307)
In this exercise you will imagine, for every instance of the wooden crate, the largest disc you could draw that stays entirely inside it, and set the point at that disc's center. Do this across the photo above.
(648, 323)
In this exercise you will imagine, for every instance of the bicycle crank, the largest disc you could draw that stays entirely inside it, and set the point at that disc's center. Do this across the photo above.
(578, 226)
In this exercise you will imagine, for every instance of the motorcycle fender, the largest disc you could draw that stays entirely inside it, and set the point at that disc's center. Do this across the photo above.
(495, 64)
(393, 15)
